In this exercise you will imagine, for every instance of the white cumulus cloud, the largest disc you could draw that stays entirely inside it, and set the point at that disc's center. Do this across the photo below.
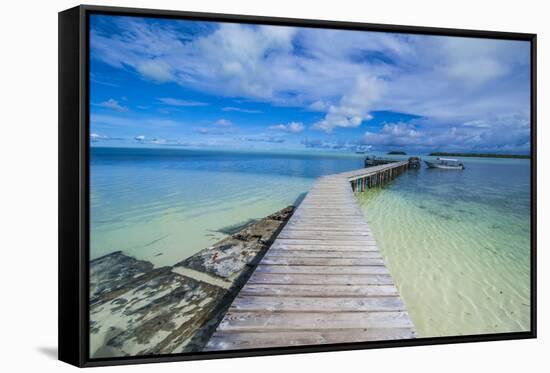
(156, 70)
(345, 76)
(241, 110)
(292, 127)
(223, 123)
(178, 102)
(112, 104)
(354, 106)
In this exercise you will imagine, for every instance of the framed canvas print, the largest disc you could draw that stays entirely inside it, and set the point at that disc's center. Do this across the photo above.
(237, 186)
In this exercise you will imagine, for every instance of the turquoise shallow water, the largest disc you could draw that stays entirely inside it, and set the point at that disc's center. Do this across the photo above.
(456, 242)
(164, 205)
(458, 245)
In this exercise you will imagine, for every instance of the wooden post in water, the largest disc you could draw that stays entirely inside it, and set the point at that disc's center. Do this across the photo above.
(377, 176)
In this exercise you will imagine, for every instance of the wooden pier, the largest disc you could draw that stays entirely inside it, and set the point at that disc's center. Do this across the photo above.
(370, 177)
(323, 280)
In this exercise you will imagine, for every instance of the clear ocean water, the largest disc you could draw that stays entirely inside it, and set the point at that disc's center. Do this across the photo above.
(457, 242)
(164, 205)
(458, 245)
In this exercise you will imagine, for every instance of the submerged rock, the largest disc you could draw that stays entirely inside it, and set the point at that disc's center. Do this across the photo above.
(226, 259)
(158, 316)
(112, 272)
(139, 310)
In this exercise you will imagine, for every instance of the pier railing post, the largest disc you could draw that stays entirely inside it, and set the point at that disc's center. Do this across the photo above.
(376, 176)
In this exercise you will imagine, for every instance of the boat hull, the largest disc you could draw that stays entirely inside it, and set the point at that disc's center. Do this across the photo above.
(442, 166)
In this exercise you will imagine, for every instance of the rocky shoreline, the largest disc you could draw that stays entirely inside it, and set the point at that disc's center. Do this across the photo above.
(136, 309)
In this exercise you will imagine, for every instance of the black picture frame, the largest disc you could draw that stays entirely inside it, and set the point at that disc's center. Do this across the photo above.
(74, 183)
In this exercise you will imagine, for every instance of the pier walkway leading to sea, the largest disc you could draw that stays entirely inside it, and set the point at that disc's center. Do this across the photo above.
(323, 279)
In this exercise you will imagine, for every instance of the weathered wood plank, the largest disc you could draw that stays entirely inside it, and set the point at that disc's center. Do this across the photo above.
(311, 279)
(337, 230)
(259, 339)
(332, 226)
(332, 235)
(360, 242)
(266, 320)
(319, 290)
(308, 254)
(302, 247)
(334, 223)
(322, 269)
(316, 304)
(328, 228)
(296, 261)
(334, 247)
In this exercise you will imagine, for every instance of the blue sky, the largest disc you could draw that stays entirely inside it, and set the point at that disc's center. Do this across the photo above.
(158, 82)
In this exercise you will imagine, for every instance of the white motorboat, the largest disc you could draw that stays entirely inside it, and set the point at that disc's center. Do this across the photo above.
(445, 164)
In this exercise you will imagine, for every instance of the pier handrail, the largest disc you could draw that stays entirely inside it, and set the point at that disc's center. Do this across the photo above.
(364, 172)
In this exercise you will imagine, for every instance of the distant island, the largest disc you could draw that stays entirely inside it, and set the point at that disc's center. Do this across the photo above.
(479, 155)
(396, 152)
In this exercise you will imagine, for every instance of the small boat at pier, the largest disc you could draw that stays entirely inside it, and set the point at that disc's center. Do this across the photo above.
(445, 164)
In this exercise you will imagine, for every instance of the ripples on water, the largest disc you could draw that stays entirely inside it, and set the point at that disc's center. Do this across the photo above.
(458, 245)
(456, 242)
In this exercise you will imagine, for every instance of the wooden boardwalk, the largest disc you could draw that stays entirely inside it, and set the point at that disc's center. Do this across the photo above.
(322, 281)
